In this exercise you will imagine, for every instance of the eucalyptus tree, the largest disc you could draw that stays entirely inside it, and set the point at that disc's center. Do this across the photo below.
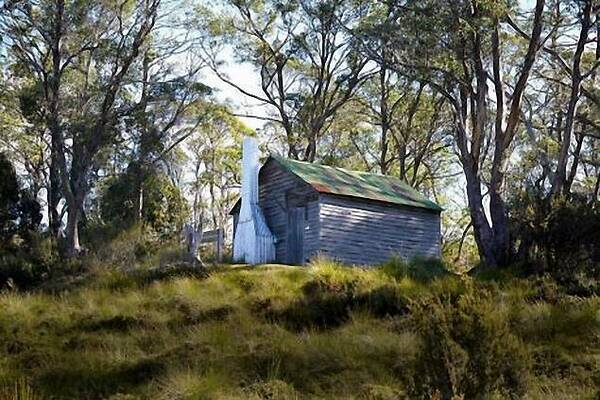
(80, 53)
(160, 118)
(306, 61)
(21, 136)
(577, 62)
(214, 153)
(459, 48)
(46, 38)
(411, 124)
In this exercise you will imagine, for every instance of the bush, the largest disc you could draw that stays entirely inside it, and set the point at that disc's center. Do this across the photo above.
(419, 268)
(124, 247)
(560, 239)
(19, 211)
(23, 267)
(468, 350)
(164, 207)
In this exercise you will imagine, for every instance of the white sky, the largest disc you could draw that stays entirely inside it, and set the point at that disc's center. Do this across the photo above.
(248, 78)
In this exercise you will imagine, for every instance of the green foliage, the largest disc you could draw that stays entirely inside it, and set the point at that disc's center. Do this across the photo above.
(215, 153)
(19, 212)
(23, 267)
(25, 257)
(468, 350)
(164, 209)
(560, 239)
(9, 198)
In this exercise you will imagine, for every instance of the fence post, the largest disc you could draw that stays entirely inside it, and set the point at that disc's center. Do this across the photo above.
(219, 245)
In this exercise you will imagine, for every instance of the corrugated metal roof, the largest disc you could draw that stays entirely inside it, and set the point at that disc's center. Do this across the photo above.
(364, 185)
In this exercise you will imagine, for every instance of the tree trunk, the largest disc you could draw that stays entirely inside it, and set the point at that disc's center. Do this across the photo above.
(504, 135)
(311, 149)
(573, 171)
(73, 247)
(383, 111)
(140, 202)
(54, 193)
(596, 188)
(54, 123)
(481, 229)
(560, 177)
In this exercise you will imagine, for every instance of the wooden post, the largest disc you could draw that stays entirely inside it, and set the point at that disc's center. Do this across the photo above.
(193, 238)
(219, 253)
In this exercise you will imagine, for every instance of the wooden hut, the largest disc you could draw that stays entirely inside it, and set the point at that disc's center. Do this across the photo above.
(354, 217)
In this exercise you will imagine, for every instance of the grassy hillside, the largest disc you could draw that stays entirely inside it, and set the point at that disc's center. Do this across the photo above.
(283, 332)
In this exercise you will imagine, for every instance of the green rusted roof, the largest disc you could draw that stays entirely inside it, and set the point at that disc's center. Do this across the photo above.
(339, 181)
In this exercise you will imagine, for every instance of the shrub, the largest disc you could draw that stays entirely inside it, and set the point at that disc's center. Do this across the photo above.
(164, 207)
(384, 301)
(559, 239)
(468, 350)
(19, 211)
(23, 267)
(135, 246)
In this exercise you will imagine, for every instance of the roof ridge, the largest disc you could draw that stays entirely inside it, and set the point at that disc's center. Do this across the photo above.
(351, 171)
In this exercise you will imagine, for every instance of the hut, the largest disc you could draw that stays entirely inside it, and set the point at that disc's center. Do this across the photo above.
(354, 217)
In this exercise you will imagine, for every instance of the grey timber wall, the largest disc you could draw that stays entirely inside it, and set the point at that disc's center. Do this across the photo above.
(277, 188)
(356, 231)
(311, 230)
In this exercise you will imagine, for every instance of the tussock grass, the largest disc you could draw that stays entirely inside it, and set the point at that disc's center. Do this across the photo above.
(279, 332)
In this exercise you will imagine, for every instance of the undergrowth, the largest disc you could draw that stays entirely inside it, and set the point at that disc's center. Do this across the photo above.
(131, 330)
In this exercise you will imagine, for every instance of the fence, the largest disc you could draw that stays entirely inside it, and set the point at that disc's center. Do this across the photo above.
(216, 236)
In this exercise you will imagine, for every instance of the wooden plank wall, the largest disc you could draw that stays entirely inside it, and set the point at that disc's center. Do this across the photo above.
(362, 232)
(275, 184)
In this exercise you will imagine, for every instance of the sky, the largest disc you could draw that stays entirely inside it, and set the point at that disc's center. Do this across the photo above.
(246, 76)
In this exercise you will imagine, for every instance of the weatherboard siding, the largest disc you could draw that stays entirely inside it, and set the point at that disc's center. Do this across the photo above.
(350, 229)
(275, 187)
(355, 231)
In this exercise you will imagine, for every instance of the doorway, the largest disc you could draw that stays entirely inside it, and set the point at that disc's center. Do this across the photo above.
(295, 235)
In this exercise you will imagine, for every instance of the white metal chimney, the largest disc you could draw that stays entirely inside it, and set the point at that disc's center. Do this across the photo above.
(253, 242)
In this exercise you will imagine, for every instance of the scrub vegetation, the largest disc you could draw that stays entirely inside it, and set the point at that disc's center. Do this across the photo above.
(123, 329)
(121, 126)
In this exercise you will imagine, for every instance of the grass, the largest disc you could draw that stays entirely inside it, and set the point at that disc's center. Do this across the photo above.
(275, 332)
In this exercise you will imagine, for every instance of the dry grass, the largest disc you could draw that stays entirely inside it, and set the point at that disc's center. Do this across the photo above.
(273, 332)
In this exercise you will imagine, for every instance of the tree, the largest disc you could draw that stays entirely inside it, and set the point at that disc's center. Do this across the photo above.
(458, 52)
(306, 59)
(160, 120)
(215, 151)
(164, 208)
(19, 212)
(46, 38)
(93, 45)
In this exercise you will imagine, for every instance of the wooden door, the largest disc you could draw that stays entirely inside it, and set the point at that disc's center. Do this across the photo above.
(295, 235)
